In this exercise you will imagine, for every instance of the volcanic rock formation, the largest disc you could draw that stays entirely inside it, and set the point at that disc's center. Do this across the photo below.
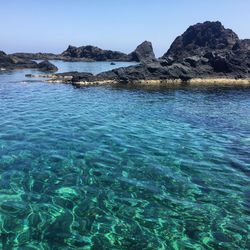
(205, 50)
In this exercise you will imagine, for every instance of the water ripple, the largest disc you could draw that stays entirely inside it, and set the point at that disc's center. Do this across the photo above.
(113, 168)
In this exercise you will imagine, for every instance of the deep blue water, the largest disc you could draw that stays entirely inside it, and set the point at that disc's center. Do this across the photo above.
(117, 168)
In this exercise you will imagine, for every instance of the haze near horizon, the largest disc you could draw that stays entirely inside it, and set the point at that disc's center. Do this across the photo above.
(50, 26)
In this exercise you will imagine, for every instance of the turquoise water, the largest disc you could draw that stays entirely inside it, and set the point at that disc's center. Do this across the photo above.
(116, 168)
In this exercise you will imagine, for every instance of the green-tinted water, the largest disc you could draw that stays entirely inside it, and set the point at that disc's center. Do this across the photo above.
(104, 168)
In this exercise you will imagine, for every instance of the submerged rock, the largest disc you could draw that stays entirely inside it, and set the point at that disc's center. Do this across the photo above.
(12, 207)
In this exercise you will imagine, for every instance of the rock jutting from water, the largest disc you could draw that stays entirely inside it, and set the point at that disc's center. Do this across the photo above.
(143, 53)
(47, 66)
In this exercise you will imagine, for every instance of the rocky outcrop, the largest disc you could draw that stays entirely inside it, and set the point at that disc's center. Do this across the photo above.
(212, 47)
(200, 39)
(204, 51)
(143, 53)
(152, 71)
(94, 54)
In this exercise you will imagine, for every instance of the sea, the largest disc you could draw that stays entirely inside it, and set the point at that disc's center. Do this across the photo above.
(106, 167)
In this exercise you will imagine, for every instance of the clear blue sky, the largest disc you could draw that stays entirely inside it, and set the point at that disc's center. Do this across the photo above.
(50, 25)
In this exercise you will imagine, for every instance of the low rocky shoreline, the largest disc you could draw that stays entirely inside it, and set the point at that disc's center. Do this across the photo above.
(65, 78)
(170, 83)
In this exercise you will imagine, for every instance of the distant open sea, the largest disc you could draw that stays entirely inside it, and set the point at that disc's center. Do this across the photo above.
(118, 168)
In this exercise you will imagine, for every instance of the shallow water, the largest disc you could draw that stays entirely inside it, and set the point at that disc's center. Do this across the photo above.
(110, 168)
(92, 67)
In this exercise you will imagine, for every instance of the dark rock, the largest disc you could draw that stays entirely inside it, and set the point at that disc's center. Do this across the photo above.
(5, 61)
(193, 60)
(219, 62)
(20, 63)
(143, 53)
(71, 51)
(112, 63)
(166, 61)
(10, 62)
(2, 53)
(180, 71)
(94, 53)
(202, 38)
(149, 71)
(46, 66)
(212, 50)
(71, 73)
(242, 45)
(37, 56)
(206, 50)
(82, 77)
